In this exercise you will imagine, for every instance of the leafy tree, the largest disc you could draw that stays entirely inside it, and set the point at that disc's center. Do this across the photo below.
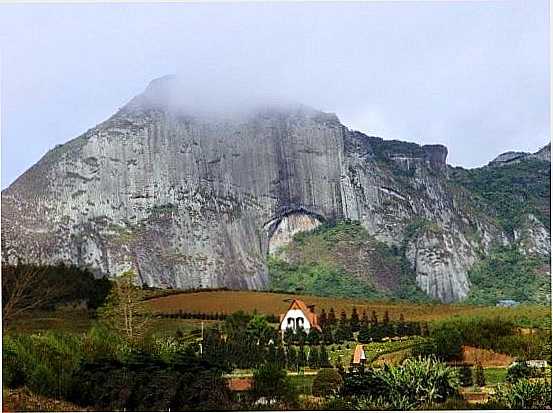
(259, 329)
(327, 383)
(236, 324)
(124, 311)
(313, 359)
(280, 357)
(354, 320)
(449, 342)
(339, 366)
(479, 377)
(273, 383)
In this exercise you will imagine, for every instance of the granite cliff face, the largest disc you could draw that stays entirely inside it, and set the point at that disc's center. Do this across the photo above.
(198, 200)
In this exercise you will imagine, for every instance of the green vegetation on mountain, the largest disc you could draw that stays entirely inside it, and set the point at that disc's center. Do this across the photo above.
(341, 259)
(511, 191)
(508, 274)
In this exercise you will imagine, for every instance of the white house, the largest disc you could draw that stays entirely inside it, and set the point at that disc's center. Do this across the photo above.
(299, 316)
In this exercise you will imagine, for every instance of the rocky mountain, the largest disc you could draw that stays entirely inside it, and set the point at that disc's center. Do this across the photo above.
(197, 200)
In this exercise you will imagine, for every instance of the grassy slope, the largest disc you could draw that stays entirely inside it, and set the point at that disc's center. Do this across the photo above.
(342, 260)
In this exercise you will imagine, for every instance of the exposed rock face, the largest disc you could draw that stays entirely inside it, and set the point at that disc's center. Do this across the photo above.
(543, 154)
(194, 200)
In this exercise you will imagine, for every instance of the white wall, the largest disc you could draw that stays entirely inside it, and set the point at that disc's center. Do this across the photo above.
(295, 314)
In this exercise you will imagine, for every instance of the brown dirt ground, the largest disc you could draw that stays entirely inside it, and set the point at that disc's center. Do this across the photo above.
(488, 358)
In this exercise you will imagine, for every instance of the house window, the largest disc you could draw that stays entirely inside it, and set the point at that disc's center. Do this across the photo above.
(299, 322)
(290, 322)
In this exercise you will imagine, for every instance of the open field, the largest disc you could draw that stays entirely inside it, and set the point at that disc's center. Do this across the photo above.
(277, 303)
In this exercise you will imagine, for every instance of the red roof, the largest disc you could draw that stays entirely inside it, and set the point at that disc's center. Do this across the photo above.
(310, 315)
(240, 383)
(359, 354)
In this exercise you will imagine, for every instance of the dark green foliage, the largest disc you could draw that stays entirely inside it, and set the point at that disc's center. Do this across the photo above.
(323, 320)
(521, 370)
(499, 334)
(354, 320)
(324, 361)
(364, 335)
(327, 382)
(510, 191)
(313, 359)
(330, 275)
(479, 377)
(292, 358)
(448, 341)
(302, 357)
(272, 383)
(328, 337)
(314, 337)
(414, 384)
(289, 336)
(331, 317)
(506, 273)
(70, 283)
(522, 395)
(465, 375)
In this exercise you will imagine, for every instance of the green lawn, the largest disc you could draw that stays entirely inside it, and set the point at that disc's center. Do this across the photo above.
(303, 383)
(495, 375)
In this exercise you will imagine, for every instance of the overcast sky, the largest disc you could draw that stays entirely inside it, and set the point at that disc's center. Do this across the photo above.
(473, 76)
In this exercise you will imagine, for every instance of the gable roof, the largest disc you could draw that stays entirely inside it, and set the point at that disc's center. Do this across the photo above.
(310, 315)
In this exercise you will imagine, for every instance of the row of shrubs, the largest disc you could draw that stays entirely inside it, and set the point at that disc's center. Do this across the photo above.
(185, 315)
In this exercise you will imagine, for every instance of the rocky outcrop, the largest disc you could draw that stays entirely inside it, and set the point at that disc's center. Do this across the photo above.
(544, 154)
(198, 199)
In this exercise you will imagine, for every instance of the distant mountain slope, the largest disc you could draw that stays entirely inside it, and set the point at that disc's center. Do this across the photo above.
(342, 260)
(191, 199)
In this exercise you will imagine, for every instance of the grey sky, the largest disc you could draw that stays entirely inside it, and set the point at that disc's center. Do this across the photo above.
(471, 75)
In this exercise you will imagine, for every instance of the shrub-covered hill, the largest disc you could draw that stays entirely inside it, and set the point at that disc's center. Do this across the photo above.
(506, 273)
(512, 191)
(341, 259)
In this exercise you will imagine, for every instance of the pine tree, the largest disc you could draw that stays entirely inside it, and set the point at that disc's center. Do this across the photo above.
(343, 317)
(314, 337)
(364, 319)
(324, 361)
(313, 359)
(300, 336)
(289, 336)
(292, 358)
(323, 319)
(354, 320)
(280, 357)
(479, 377)
(364, 335)
(327, 334)
(374, 319)
(331, 317)
(465, 376)
(302, 357)
(386, 319)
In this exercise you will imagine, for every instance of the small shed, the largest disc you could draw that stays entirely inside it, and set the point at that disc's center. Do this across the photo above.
(359, 355)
